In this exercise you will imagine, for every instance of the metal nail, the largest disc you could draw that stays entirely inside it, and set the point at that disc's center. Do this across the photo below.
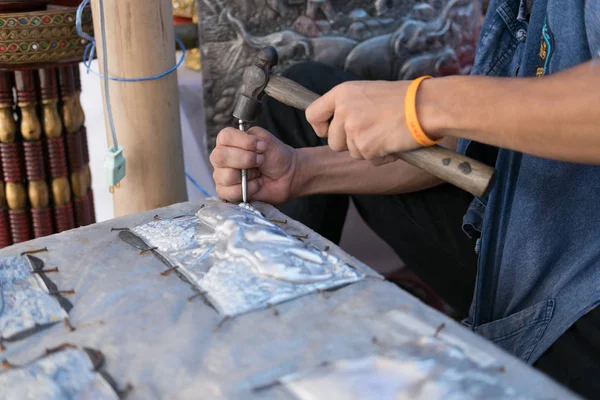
(301, 237)
(118, 229)
(278, 221)
(45, 271)
(68, 325)
(60, 348)
(266, 386)
(221, 323)
(45, 249)
(194, 297)
(274, 309)
(439, 329)
(150, 250)
(169, 272)
(59, 292)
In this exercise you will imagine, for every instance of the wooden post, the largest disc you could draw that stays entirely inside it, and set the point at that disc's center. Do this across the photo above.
(140, 43)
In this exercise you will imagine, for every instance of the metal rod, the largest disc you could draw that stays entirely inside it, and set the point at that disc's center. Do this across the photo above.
(244, 171)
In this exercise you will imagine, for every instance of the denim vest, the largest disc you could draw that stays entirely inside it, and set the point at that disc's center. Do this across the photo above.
(539, 250)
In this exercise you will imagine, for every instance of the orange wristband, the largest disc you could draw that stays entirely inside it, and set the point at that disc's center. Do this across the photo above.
(410, 113)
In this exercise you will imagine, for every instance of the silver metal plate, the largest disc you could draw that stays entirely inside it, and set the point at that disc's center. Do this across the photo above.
(241, 260)
(68, 374)
(25, 301)
(427, 369)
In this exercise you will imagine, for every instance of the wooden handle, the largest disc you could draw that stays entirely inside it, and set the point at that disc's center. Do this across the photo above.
(463, 172)
(289, 92)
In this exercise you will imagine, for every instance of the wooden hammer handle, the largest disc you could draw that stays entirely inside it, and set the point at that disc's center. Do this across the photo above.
(463, 172)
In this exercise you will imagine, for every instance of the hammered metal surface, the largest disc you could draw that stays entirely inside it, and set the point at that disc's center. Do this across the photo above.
(241, 260)
(24, 299)
(68, 374)
(152, 337)
(426, 369)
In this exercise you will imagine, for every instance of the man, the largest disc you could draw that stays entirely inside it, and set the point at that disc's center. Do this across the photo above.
(533, 242)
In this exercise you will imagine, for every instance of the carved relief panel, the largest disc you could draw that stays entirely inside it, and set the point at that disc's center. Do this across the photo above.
(376, 39)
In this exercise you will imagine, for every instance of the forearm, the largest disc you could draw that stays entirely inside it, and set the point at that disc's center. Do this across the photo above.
(554, 117)
(322, 170)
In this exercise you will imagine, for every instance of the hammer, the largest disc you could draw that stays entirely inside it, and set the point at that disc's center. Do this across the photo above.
(463, 172)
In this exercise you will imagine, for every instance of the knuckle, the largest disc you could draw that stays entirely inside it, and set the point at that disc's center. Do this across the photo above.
(217, 157)
(336, 146)
(223, 136)
(342, 109)
(249, 159)
(250, 142)
(217, 176)
(353, 124)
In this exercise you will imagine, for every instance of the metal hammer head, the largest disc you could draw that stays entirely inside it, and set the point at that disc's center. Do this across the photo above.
(255, 78)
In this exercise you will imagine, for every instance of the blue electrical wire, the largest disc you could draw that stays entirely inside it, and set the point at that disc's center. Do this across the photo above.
(197, 185)
(90, 50)
(88, 57)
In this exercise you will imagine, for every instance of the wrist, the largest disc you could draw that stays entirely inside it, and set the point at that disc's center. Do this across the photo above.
(301, 177)
(432, 107)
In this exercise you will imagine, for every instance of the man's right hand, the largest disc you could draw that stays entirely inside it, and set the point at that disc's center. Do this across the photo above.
(271, 164)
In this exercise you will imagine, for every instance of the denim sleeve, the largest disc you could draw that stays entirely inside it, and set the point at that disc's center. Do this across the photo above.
(592, 25)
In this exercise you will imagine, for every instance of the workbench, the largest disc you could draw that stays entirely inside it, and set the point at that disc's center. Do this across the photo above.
(167, 347)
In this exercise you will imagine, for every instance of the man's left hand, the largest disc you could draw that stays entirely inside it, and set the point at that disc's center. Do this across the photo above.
(368, 120)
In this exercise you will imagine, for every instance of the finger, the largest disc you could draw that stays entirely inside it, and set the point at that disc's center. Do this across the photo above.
(233, 157)
(230, 176)
(234, 193)
(337, 135)
(319, 113)
(231, 137)
(379, 161)
(353, 150)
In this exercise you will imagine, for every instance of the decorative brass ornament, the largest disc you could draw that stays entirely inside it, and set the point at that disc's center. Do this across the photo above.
(192, 60)
(31, 129)
(189, 9)
(42, 37)
(61, 191)
(185, 9)
(51, 118)
(69, 114)
(39, 195)
(8, 127)
(16, 196)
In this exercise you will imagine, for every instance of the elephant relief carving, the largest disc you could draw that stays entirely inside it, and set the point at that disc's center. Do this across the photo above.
(381, 39)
